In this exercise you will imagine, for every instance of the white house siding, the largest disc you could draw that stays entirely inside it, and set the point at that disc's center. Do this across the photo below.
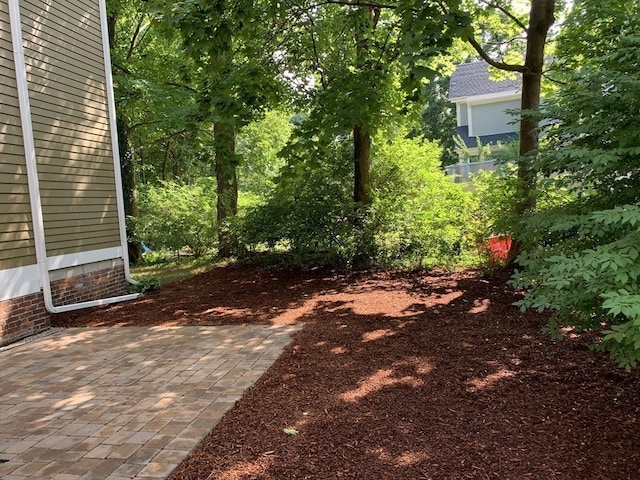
(493, 118)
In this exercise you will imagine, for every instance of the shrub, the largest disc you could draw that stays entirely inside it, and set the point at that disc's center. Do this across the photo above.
(175, 216)
(310, 211)
(144, 284)
(584, 266)
(419, 217)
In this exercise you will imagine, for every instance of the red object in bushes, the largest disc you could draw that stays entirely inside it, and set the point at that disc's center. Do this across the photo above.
(499, 247)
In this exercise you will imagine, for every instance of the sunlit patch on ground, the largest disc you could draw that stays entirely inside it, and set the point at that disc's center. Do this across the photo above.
(379, 380)
(480, 383)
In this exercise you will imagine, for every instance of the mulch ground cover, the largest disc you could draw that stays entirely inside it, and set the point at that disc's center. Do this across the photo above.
(400, 376)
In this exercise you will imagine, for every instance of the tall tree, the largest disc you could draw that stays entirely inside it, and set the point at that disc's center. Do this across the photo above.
(148, 67)
(541, 18)
(353, 52)
(229, 41)
(582, 262)
(154, 92)
(346, 52)
(438, 118)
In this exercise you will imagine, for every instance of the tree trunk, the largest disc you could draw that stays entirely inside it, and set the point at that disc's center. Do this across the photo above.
(165, 161)
(361, 134)
(362, 164)
(227, 182)
(540, 20)
(112, 19)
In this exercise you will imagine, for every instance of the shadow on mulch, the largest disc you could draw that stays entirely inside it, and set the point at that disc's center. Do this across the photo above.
(401, 376)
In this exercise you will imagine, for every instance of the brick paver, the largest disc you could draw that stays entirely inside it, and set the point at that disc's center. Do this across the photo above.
(123, 402)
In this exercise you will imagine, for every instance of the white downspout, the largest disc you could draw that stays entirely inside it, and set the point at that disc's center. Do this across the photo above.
(114, 140)
(32, 175)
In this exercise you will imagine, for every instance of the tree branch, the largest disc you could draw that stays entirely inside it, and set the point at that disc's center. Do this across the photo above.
(354, 4)
(499, 65)
(507, 13)
(122, 69)
(160, 140)
(142, 124)
(551, 79)
(179, 85)
(132, 44)
(316, 56)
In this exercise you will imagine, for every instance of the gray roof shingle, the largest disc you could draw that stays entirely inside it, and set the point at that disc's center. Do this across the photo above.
(470, 79)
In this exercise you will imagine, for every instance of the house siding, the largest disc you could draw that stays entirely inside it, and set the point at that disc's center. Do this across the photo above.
(493, 118)
(66, 88)
(17, 247)
(68, 99)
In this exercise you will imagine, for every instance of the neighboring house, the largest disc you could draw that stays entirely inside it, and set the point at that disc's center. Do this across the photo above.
(482, 112)
(62, 237)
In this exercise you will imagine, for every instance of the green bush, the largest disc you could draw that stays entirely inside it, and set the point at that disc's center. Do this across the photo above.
(310, 211)
(495, 193)
(584, 264)
(419, 217)
(176, 216)
(144, 284)
(588, 275)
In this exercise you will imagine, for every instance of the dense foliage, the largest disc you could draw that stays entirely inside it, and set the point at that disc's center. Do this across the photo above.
(174, 216)
(583, 261)
(419, 217)
(297, 113)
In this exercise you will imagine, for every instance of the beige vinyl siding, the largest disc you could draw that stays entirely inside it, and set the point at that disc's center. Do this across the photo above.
(16, 231)
(67, 94)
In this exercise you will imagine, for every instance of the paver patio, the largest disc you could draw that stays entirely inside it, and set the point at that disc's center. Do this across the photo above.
(123, 403)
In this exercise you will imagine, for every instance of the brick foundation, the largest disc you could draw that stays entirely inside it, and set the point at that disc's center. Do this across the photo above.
(22, 316)
(103, 283)
(27, 315)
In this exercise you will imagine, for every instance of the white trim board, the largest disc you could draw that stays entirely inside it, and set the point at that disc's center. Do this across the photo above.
(83, 258)
(20, 281)
(17, 282)
(488, 98)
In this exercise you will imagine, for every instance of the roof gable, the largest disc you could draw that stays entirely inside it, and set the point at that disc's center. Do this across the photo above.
(472, 79)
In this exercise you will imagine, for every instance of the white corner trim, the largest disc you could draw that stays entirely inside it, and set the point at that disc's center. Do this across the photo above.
(27, 135)
(20, 281)
(459, 107)
(83, 258)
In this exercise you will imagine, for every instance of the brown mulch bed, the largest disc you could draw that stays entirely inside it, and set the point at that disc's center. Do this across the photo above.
(401, 376)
